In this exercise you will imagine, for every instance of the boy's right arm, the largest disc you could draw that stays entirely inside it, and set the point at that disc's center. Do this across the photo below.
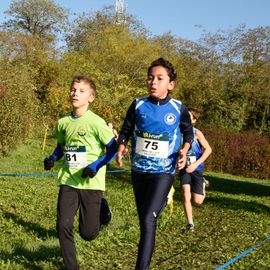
(56, 155)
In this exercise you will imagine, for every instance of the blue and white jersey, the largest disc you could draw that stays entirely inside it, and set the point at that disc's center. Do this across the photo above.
(156, 136)
(195, 152)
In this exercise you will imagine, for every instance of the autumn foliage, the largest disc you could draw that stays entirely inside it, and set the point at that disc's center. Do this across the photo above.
(225, 75)
(241, 153)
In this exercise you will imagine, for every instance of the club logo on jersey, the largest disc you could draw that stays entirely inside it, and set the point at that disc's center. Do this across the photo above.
(81, 131)
(170, 118)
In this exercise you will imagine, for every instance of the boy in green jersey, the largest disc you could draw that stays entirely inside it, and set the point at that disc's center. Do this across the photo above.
(82, 138)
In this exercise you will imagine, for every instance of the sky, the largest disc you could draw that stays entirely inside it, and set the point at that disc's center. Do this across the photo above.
(183, 18)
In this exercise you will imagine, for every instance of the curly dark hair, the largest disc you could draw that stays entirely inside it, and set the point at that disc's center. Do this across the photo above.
(166, 64)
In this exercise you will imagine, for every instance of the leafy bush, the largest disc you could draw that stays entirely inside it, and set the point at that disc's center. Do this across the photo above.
(245, 154)
(18, 106)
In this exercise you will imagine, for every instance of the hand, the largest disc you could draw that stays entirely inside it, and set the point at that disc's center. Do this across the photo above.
(48, 163)
(191, 168)
(182, 160)
(121, 152)
(88, 172)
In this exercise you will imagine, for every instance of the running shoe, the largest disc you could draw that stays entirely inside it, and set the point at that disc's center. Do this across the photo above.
(189, 228)
(207, 183)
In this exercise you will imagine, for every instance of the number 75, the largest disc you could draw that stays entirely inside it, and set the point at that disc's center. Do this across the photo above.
(150, 144)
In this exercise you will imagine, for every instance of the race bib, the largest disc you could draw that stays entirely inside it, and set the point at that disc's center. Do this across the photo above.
(190, 159)
(75, 156)
(152, 145)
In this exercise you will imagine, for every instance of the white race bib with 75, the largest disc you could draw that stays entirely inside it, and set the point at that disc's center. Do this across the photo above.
(152, 145)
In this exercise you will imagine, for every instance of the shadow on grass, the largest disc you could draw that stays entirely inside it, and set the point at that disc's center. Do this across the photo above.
(238, 204)
(233, 187)
(224, 185)
(31, 226)
(238, 187)
(124, 177)
(29, 258)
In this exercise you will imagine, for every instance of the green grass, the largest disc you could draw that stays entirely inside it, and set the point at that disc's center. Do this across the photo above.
(234, 217)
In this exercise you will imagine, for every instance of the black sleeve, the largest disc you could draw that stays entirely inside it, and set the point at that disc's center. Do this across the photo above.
(186, 126)
(128, 125)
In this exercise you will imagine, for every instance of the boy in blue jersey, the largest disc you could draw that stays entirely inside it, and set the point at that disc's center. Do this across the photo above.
(155, 124)
(191, 176)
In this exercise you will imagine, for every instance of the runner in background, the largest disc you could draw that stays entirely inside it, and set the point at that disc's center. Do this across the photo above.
(191, 177)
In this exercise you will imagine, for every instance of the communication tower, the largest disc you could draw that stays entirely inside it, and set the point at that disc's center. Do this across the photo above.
(120, 11)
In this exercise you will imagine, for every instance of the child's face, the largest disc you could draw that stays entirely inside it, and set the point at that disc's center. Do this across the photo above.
(81, 95)
(158, 82)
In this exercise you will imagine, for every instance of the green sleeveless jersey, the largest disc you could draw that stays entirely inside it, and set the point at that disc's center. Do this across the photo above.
(83, 140)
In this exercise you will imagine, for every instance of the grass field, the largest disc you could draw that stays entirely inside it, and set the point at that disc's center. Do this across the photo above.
(234, 218)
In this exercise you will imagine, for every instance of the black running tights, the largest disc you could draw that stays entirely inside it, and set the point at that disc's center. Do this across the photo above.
(151, 191)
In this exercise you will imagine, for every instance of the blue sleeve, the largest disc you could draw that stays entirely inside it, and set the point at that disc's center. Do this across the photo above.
(57, 153)
(106, 158)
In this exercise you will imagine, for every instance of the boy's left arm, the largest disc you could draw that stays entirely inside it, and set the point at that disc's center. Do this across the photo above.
(188, 136)
(92, 169)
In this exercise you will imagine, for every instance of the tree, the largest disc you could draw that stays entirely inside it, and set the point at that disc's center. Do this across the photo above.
(29, 37)
(42, 18)
(115, 55)
(244, 57)
(19, 107)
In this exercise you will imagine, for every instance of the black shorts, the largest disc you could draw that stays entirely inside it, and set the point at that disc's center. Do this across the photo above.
(194, 179)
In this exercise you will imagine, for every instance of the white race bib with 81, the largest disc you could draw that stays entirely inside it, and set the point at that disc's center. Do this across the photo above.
(75, 157)
(152, 145)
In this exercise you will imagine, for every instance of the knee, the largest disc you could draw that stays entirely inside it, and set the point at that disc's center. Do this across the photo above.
(89, 235)
(198, 201)
(148, 223)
